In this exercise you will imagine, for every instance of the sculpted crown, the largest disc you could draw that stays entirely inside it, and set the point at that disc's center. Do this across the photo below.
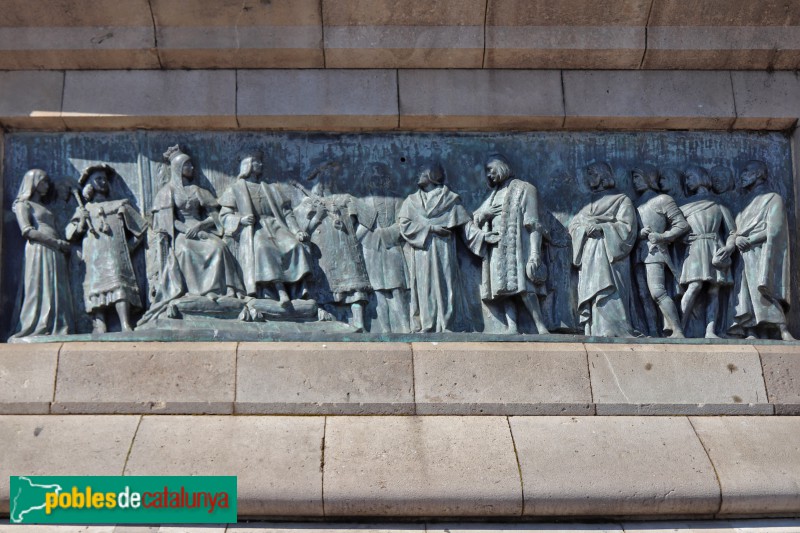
(173, 152)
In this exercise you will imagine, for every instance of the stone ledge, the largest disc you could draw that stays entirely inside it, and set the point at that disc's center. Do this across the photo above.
(417, 467)
(380, 99)
(381, 378)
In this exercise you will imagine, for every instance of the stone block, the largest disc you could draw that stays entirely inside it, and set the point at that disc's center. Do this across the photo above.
(674, 379)
(196, 99)
(722, 47)
(48, 445)
(31, 100)
(284, 527)
(27, 377)
(757, 460)
(766, 100)
(524, 528)
(501, 379)
(161, 378)
(235, 34)
(278, 460)
(40, 34)
(331, 100)
(480, 99)
(724, 13)
(569, 34)
(781, 364)
(420, 466)
(648, 100)
(715, 526)
(332, 378)
(376, 34)
(621, 466)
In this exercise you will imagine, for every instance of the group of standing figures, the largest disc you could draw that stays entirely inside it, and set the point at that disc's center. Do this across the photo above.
(643, 267)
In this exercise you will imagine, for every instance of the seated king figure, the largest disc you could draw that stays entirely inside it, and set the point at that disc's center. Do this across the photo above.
(267, 240)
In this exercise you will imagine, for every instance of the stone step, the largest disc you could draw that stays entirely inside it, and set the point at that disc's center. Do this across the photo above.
(669, 526)
(422, 378)
(339, 467)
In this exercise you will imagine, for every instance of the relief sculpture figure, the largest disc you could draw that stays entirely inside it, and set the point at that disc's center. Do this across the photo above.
(707, 262)
(660, 223)
(44, 300)
(331, 221)
(273, 260)
(194, 260)
(513, 270)
(603, 234)
(761, 293)
(109, 230)
(383, 253)
(429, 221)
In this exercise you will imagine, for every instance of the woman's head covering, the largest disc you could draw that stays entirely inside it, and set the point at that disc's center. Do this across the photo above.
(176, 158)
(29, 184)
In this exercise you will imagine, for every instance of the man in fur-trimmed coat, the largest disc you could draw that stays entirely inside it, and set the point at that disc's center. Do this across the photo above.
(513, 271)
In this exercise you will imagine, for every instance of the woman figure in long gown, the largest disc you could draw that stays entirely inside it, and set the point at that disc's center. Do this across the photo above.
(194, 259)
(44, 303)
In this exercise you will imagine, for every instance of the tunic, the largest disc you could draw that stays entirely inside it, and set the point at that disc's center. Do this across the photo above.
(604, 296)
(44, 301)
(437, 296)
(109, 270)
(662, 215)
(503, 273)
(342, 276)
(382, 244)
(710, 223)
(268, 251)
(762, 284)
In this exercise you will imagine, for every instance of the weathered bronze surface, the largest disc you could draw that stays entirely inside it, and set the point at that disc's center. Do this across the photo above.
(174, 235)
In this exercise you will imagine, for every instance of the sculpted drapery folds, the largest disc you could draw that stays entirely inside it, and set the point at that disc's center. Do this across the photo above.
(44, 301)
(383, 252)
(109, 230)
(513, 270)
(707, 262)
(193, 258)
(660, 222)
(331, 221)
(762, 239)
(267, 238)
(429, 221)
(603, 235)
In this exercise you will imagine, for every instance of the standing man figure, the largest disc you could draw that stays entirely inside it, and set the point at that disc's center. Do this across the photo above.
(761, 293)
(109, 230)
(513, 271)
(603, 235)
(660, 223)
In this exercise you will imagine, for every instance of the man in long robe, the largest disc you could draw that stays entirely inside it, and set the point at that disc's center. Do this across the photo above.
(603, 234)
(429, 220)
(761, 293)
(383, 253)
(513, 270)
(263, 226)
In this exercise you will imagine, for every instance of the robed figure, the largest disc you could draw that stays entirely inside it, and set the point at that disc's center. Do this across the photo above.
(513, 270)
(193, 259)
(603, 235)
(379, 233)
(761, 293)
(429, 221)
(266, 235)
(44, 300)
(109, 230)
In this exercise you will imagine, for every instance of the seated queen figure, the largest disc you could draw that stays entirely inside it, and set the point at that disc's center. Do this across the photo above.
(193, 258)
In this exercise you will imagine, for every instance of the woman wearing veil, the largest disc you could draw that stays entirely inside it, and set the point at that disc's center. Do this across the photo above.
(44, 303)
(193, 258)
